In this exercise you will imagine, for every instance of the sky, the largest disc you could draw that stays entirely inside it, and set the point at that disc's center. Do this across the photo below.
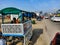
(32, 5)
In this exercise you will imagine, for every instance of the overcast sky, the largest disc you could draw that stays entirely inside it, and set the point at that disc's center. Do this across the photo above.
(31, 5)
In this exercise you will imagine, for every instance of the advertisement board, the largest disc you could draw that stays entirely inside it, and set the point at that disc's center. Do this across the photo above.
(27, 26)
(16, 29)
(12, 29)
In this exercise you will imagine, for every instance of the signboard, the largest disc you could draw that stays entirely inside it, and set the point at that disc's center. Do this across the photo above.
(16, 29)
(27, 31)
(28, 36)
(12, 29)
(27, 26)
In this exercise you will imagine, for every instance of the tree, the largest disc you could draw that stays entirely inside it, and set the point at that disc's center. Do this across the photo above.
(41, 12)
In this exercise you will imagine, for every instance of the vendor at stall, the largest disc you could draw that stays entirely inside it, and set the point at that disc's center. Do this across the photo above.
(15, 21)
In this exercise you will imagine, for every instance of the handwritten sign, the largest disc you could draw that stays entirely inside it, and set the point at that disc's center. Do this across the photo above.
(12, 29)
(16, 29)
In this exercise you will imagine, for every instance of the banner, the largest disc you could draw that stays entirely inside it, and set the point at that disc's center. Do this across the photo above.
(12, 29)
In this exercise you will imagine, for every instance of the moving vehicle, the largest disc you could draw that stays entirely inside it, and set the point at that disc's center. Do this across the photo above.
(56, 39)
(55, 18)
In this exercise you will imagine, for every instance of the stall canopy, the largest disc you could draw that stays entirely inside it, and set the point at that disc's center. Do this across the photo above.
(28, 14)
(10, 10)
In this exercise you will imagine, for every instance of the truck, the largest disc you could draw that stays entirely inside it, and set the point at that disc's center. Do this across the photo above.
(17, 34)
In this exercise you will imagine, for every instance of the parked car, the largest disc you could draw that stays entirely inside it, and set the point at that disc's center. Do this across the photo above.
(56, 39)
(55, 18)
(38, 18)
(46, 17)
(42, 17)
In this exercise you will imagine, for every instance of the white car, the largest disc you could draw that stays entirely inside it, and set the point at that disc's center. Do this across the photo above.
(55, 18)
(46, 17)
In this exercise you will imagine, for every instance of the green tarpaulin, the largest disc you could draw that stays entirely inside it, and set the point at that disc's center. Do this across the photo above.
(11, 10)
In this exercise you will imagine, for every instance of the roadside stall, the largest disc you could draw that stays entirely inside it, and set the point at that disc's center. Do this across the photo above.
(22, 32)
(16, 33)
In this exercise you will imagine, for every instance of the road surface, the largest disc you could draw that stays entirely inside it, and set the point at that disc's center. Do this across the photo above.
(40, 36)
(51, 28)
(38, 33)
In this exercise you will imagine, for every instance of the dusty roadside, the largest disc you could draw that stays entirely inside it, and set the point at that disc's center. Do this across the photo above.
(40, 30)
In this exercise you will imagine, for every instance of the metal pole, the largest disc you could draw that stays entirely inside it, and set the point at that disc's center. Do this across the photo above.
(2, 18)
(24, 40)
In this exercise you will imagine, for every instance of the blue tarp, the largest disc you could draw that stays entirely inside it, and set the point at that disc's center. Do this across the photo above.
(28, 14)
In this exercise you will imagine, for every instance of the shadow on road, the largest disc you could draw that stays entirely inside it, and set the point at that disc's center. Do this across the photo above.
(36, 34)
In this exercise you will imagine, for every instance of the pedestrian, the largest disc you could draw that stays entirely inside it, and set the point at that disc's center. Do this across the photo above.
(14, 20)
(17, 21)
(2, 40)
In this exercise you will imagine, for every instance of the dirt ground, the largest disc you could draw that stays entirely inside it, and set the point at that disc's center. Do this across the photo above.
(39, 34)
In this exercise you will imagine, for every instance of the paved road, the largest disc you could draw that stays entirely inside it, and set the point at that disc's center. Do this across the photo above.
(52, 28)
